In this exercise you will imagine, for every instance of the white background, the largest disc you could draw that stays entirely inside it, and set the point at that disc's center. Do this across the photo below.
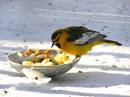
(30, 23)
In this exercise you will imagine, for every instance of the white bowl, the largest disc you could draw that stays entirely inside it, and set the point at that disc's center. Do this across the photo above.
(49, 71)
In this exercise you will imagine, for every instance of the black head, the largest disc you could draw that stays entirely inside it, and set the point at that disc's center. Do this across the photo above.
(55, 37)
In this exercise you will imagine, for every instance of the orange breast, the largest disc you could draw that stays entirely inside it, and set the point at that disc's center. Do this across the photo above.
(71, 48)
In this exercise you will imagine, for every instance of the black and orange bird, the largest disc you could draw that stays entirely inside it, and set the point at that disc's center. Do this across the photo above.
(78, 40)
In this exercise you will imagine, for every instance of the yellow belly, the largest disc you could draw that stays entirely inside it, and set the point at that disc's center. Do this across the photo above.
(77, 50)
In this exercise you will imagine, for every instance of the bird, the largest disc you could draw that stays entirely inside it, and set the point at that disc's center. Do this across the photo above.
(79, 40)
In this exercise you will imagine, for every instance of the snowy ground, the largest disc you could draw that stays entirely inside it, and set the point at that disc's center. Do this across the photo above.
(105, 72)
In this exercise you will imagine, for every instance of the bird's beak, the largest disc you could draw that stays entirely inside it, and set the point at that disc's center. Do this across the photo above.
(52, 44)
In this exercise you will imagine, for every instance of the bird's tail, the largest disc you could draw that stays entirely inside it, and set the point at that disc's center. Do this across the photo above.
(111, 42)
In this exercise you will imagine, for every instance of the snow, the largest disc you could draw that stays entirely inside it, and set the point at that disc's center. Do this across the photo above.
(104, 72)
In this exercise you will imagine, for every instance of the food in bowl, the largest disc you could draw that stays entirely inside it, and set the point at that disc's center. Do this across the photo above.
(35, 57)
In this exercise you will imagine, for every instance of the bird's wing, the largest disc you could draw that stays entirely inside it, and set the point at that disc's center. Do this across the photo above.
(86, 37)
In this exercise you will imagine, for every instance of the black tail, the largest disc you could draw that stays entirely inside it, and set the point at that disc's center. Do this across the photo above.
(112, 42)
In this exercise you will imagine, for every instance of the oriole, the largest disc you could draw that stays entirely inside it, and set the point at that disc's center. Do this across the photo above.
(78, 40)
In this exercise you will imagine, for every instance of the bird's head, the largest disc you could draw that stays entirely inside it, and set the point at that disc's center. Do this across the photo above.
(55, 37)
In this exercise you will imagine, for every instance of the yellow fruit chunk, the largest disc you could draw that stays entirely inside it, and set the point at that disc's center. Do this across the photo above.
(61, 58)
(49, 64)
(37, 64)
(27, 63)
(44, 64)
(45, 60)
(36, 60)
